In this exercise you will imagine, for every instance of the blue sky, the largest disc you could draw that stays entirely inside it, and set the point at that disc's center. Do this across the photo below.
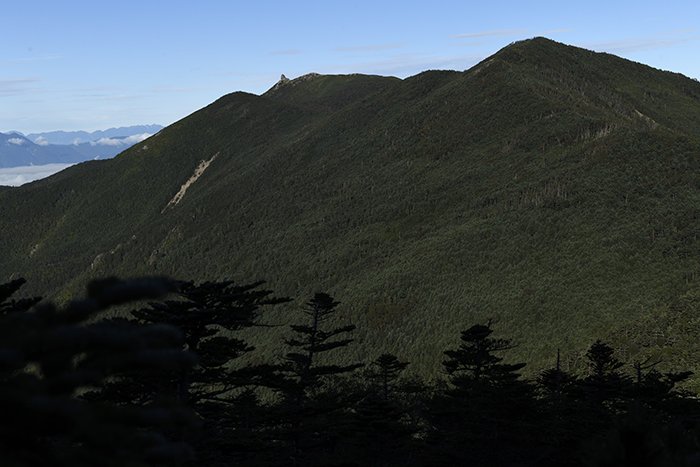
(92, 65)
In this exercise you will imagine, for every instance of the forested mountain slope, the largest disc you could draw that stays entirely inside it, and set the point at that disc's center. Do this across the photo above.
(549, 187)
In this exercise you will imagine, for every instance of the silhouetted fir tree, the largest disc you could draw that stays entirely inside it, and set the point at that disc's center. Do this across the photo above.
(476, 365)
(383, 432)
(653, 387)
(385, 371)
(209, 314)
(640, 421)
(605, 383)
(312, 413)
(50, 355)
(561, 412)
(556, 385)
(599, 397)
(488, 413)
(653, 390)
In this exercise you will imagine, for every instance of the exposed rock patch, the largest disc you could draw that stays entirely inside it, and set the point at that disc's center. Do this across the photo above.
(284, 81)
(203, 165)
(648, 120)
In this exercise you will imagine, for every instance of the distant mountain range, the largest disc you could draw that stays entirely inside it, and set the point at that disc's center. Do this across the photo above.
(78, 137)
(65, 147)
(17, 150)
(549, 187)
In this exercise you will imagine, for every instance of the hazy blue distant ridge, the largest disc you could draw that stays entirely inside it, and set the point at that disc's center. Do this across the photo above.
(68, 147)
(70, 137)
(17, 150)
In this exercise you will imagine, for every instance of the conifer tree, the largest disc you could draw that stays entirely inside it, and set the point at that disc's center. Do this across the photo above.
(385, 371)
(556, 385)
(307, 365)
(383, 431)
(476, 365)
(487, 405)
(560, 412)
(313, 412)
(605, 382)
(653, 387)
(209, 315)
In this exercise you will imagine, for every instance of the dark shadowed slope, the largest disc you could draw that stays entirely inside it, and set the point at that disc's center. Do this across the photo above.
(550, 187)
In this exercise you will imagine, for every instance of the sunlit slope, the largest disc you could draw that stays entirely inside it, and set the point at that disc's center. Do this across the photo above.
(549, 187)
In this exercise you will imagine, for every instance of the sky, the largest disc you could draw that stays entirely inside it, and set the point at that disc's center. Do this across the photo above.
(78, 65)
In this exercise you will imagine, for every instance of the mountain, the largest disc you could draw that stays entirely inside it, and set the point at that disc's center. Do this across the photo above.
(17, 150)
(78, 137)
(28, 158)
(549, 187)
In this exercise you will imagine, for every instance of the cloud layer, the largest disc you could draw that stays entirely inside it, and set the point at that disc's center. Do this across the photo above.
(128, 141)
(16, 176)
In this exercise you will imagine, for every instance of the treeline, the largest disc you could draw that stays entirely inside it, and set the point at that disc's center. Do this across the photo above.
(169, 383)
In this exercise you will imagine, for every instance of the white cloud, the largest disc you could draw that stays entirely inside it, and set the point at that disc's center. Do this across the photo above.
(128, 141)
(133, 139)
(41, 141)
(16, 176)
(16, 141)
(107, 142)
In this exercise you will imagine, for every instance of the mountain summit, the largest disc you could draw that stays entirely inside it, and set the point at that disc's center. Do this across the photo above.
(549, 187)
